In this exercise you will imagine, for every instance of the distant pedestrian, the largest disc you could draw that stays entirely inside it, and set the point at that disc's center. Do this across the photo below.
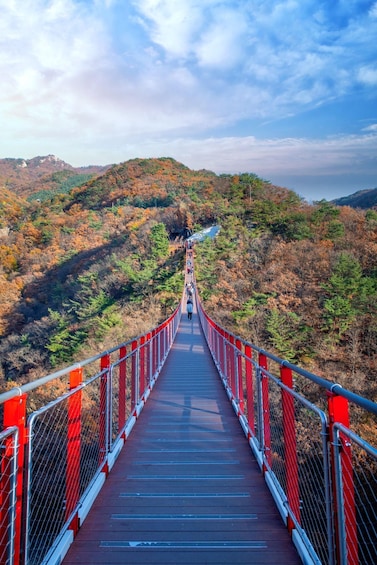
(189, 290)
(189, 309)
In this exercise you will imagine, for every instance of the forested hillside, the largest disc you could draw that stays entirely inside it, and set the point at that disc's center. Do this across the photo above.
(361, 199)
(42, 177)
(87, 268)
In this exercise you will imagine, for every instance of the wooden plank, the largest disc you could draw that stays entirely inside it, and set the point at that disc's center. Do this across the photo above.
(186, 488)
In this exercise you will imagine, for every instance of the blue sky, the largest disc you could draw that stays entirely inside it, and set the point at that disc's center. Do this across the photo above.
(284, 89)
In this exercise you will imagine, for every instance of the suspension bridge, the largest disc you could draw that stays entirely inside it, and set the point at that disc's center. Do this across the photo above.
(185, 445)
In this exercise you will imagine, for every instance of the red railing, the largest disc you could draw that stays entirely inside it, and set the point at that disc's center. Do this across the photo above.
(82, 415)
(321, 473)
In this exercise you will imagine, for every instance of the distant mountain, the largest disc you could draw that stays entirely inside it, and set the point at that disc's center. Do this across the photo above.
(362, 199)
(25, 177)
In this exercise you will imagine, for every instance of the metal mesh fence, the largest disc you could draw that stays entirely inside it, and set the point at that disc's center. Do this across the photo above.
(116, 409)
(65, 434)
(120, 395)
(314, 480)
(306, 474)
(329, 485)
(358, 465)
(276, 457)
(72, 426)
(47, 479)
(263, 407)
(250, 396)
(8, 467)
(90, 434)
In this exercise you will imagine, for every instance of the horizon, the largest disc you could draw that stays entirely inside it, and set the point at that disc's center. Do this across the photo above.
(309, 200)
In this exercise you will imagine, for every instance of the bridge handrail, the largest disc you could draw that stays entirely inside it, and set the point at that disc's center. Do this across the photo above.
(332, 387)
(28, 387)
(85, 427)
(315, 449)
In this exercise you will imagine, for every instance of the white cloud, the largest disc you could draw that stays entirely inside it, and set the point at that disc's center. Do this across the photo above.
(368, 75)
(58, 60)
(222, 44)
(41, 44)
(284, 155)
(372, 127)
(373, 11)
(115, 78)
(172, 25)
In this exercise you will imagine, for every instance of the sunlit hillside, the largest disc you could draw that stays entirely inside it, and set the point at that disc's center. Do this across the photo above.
(89, 266)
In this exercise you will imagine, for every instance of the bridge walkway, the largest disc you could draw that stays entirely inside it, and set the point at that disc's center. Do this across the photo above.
(186, 488)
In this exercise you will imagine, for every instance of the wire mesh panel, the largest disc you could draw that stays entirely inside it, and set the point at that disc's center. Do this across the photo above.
(250, 401)
(90, 434)
(357, 466)
(295, 452)
(64, 458)
(120, 394)
(328, 485)
(276, 448)
(47, 479)
(313, 476)
(70, 435)
(8, 467)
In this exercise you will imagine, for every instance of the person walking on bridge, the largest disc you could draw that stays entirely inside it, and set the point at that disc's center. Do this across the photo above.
(189, 308)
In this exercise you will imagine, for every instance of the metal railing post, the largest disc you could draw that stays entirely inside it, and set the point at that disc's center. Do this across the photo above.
(215, 340)
(134, 378)
(222, 350)
(148, 372)
(142, 375)
(150, 356)
(122, 387)
(72, 484)
(239, 376)
(153, 352)
(163, 342)
(264, 411)
(232, 364)
(104, 408)
(9, 445)
(290, 446)
(170, 334)
(343, 483)
(14, 415)
(249, 388)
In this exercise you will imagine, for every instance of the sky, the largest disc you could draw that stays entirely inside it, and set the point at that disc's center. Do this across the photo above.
(285, 89)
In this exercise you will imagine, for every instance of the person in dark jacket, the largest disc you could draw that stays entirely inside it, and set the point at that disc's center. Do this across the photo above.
(189, 309)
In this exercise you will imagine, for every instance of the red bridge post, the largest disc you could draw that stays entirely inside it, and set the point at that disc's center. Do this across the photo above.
(232, 364)
(103, 431)
(290, 445)
(344, 493)
(239, 379)
(122, 387)
(263, 364)
(142, 376)
(134, 365)
(14, 415)
(249, 388)
(72, 484)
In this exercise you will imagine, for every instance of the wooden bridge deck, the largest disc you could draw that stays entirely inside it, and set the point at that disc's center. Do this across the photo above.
(186, 488)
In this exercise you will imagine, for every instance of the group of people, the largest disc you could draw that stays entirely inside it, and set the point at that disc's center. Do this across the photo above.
(189, 303)
(189, 285)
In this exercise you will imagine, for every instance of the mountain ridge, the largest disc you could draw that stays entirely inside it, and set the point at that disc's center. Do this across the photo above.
(364, 199)
(30, 178)
(25, 177)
